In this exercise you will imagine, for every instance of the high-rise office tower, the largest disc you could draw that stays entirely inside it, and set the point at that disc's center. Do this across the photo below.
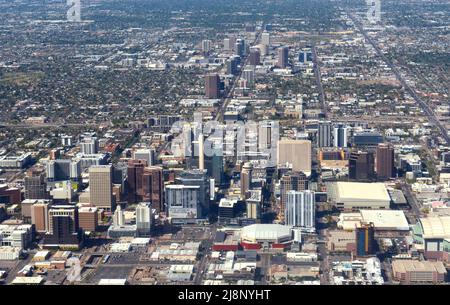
(255, 57)
(206, 46)
(305, 57)
(246, 178)
(300, 209)
(232, 66)
(240, 47)
(265, 39)
(39, 216)
(295, 152)
(249, 75)
(291, 181)
(183, 201)
(361, 166)
(228, 43)
(66, 140)
(385, 161)
(89, 146)
(100, 187)
(214, 163)
(88, 218)
(324, 134)
(153, 187)
(365, 239)
(118, 217)
(201, 152)
(148, 155)
(340, 136)
(283, 57)
(135, 172)
(267, 135)
(143, 219)
(212, 86)
(197, 178)
(35, 184)
(63, 227)
(63, 170)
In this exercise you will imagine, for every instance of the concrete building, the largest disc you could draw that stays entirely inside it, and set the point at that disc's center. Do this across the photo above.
(212, 86)
(40, 216)
(291, 181)
(149, 155)
(246, 178)
(64, 232)
(254, 204)
(100, 187)
(283, 57)
(300, 210)
(358, 195)
(340, 136)
(35, 184)
(89, 146)
(418, 272)
(144, 219)
(385, 161)
(265, 39)
(88, 218)
(183, 201)
(361, 166)
(295, 152)
(324, 135)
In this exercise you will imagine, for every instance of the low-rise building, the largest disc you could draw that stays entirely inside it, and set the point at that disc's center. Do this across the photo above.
(418, 272)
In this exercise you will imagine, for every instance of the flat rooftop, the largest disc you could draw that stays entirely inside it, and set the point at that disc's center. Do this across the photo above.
(387, 219)
(361, 191)
(404, 266)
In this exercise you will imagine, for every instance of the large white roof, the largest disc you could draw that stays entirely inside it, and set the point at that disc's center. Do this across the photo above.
(436, 227)
(357, 191)
(257, 232)
(386, 219)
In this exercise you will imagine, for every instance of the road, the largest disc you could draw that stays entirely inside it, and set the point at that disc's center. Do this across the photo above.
(227, 100)
(425, 107)
(318, 77)
(324, 263)
(412, 201)
(265, 267)
(207, 245)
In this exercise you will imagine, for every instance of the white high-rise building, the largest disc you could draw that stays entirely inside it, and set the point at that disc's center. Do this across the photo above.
(301, 209)
(145, 154)
(183, 201)
(265, 39)
(340, 136)
(206, 46)
(119, 217)
(144, 218)
(249, 75)
(89, 146)
(324, 134)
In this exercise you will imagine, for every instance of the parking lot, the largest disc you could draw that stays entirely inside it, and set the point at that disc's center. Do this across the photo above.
(110, 272)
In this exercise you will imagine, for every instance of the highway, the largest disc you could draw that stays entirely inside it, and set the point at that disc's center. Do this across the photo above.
(425, 107)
